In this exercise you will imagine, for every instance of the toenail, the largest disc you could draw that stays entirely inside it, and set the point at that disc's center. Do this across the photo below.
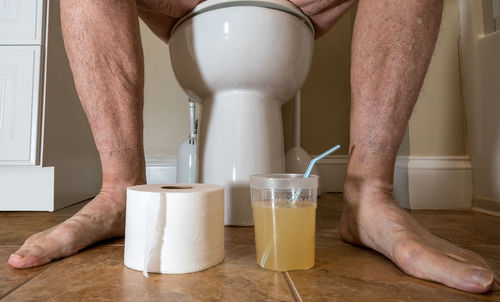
(482, 277)
(15, 258)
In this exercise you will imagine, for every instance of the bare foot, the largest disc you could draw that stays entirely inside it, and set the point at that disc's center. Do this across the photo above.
(102, 218)
(372, 218)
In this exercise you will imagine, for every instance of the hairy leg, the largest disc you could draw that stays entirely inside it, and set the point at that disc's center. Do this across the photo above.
(392, 46)
(102, 40)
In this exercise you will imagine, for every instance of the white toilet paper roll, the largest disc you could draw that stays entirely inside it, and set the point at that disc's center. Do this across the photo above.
(174, 229)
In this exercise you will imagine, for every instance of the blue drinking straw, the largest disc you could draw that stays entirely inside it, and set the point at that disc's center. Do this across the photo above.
(296, 196)
(310, 167)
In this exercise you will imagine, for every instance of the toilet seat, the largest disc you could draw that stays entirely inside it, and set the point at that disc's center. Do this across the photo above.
(281, 5)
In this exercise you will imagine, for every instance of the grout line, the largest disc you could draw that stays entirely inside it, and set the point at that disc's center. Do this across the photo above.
(114, 245)
(28, 280)
(292, 287)
(481, 244)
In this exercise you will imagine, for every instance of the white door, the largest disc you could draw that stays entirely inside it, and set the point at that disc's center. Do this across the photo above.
(19, 95)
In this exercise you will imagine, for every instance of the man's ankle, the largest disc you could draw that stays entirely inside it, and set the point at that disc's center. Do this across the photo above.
(366, 184)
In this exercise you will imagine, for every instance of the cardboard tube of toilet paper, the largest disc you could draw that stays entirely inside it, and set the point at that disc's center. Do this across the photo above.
(174, 229)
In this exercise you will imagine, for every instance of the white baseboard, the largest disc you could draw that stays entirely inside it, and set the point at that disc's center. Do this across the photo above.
(32, 188)
(161, 170)
(486, 205)
(420, 182)
(402, 182)
(332, 170)
(440, 183)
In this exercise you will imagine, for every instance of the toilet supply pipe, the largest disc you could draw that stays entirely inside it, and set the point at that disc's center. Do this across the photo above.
(192, 122)
(187, 159)
(295, 197)
(296, 121)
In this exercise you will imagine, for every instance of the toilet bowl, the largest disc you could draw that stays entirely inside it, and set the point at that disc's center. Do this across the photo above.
(241, 60)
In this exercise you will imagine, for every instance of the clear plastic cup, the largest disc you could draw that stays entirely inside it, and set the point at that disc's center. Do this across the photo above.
(284, 213)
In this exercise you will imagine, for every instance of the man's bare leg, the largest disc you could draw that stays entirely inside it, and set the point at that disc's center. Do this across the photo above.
(103, 44)
(392, 45)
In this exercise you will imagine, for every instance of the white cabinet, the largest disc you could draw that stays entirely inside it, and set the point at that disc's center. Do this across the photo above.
(19, 82)
(47, 156)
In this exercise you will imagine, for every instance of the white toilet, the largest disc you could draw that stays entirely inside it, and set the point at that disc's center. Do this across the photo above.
(242, 60)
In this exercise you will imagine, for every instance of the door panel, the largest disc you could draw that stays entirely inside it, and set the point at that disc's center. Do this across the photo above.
(19, 95)
(21, 21)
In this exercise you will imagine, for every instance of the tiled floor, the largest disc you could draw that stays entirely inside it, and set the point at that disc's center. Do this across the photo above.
(342, 272)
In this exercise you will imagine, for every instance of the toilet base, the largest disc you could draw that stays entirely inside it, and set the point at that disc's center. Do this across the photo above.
(241, 134)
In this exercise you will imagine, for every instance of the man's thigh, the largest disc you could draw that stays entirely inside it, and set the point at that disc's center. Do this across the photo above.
(161, 15)
(325, 13)
(169, 8)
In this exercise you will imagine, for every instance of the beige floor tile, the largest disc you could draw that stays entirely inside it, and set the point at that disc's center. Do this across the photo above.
(330, 202)
(11, 278)
(328, 214)
(113, 242)
(356, 274)
(239, 235)
(342, 272)
(463, 227)
(327, 220)
(243, 254)
(355, 262)
(323, 287)
(15, 229)
(98, 274)
(327, 233)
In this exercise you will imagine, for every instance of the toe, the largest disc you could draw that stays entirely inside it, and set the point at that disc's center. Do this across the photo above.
(16, 261)
(435, 264)
(481, 280)
(464, 276)
(26, 261)
(28, 257)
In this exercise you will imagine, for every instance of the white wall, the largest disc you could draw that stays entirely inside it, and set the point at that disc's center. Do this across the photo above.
(481, 74)
(326, 94)
(166, 122)
(437, 123)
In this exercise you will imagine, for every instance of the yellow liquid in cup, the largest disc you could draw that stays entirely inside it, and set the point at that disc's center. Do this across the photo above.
(285, 240)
